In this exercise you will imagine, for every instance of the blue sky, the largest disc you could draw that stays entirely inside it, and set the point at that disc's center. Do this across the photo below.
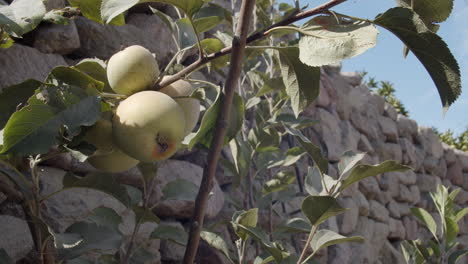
(412, 83)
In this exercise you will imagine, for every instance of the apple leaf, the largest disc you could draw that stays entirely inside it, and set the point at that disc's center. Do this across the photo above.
(143, 215)
(35, 128)
(428, 47)
(99, 232)
(99, 181)
(5, 40)
(204, 24)
(319, 208)
(456, 255)
(302, 81)
(217, 242)
(348, 160)
(21, 16)
(426, 219)
(279, 182)
(74, 76)
(204, 135)
(18, 178)
(180, 189)
(430, 10)
(361, 172)
(190, 7)
(244, 218)
(187, 37)
(171, 233)
(95, 68)
(331, 40)
(294, 225)
(14, 97)
(100, 10)
(325, 238)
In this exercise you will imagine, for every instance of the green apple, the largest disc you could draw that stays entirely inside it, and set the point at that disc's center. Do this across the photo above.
(148, 126)
(132, 70)
(108, 157)
(190, 106)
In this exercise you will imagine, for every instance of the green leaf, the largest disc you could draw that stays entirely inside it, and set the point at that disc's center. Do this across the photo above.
(313, 151)
(348, 161)
(245, 218)
(100, 10)
(213, 45)
(5, 40)
(460, 214)
(302, 81)
(21, 16)
(204, 24)
(217, 242)
(166, 19)
(280, 182)
(429, 48)
(205, 133)
(275, 249)
(319, 208)
(180, 189)
(325, 238)
(14, 96)
(99, 232)
(361, 172)
(95, 68)
(73, 76)
(294, 225)
(331, 40)
(171, 233)
(104, 182)
(451, 231)
(316, 186)
(143, 215)
(264, 139)
(35, 128)
(290, 158)
(430, 10)
(456, 255)
(190, 7)
(187, 36)
(291, 121)
(4, 258)
(111, 9)
(426, 219)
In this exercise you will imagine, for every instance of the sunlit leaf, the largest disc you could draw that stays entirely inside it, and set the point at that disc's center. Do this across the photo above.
(217, 242)
(21, 16)
(325, 238)
(426, 219)
(279, 182)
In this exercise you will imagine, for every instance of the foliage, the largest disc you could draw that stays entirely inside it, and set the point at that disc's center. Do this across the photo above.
(459, 142)
(48, 117)
(442, 247)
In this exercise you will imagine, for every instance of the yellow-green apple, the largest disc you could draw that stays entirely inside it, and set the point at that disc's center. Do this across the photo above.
(132, 70)
(148, 126)
(108, 157)
(190, 106)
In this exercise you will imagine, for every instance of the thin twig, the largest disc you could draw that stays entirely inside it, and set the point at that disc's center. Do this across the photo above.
(254, 37)
(239, 42)
(306, 246)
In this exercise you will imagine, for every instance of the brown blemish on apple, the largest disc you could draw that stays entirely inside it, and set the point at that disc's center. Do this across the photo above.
(162, 148)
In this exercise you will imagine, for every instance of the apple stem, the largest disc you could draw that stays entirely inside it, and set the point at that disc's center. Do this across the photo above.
(222, 121)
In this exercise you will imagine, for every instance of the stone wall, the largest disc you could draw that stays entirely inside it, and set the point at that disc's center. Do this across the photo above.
(351, 118)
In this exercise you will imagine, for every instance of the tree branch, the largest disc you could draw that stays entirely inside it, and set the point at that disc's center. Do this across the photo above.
(254, 37)
(222, 121)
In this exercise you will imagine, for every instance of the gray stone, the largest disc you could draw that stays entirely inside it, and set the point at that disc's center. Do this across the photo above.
(369, 187)
(55, 4)
(175, 169)
(409, 153)
(331, 68)
(411, 227)
(427, 183)
(375, 235)
(59, 39)
(415, 193)
(405, 194)
(396, 228)
(367, 126)
(430, 142)
(171, 251)
(389, 151)
(16, 237)
(406, 127)
(407, 177)
(103, 41)
(455, 174)
(3, 197)
(390, 111)
(384, 197)
(404, 209)
(393, 209)
(449, 154)
(390, 255)
(348, 220)
(323, 99)
(462, 198)
(352, 78)
(19, 63)
(364, 145)
(378, 211)
(431, 166)
(389, 182)
(462, 157)
(362, 204)
(389, 129)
